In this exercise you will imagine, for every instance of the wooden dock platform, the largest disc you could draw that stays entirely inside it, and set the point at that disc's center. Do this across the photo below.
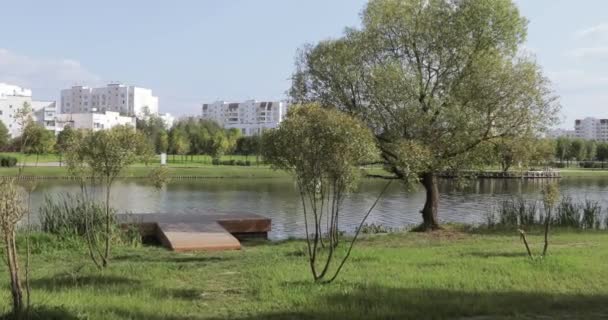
(198, 231)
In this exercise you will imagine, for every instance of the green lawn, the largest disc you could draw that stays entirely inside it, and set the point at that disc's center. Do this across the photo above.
(32, 158)
(196, 160)
(143, 171)
(448, 274)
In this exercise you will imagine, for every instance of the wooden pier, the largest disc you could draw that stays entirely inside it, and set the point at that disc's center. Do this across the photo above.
(198, 231)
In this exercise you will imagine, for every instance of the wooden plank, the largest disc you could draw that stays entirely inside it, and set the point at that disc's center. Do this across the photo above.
(196, 236)
(196, 230)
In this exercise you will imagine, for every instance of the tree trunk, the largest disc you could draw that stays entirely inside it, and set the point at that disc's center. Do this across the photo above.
(431, 205)
(13, 267)
(106, 256)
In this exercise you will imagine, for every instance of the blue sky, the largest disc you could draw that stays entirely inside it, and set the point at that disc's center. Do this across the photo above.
(191, 52)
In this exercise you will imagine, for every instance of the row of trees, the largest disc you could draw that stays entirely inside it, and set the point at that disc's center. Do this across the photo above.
(188, 137)
(569, 149)
(194, 136)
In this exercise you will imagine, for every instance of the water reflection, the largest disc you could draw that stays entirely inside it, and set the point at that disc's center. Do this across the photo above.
(278, 199)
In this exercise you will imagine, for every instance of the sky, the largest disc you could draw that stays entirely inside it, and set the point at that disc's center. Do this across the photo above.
(194, 51)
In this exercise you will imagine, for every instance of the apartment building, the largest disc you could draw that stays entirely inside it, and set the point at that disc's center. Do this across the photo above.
(251, 117)
(115, 97)
(591, 129)
(12, 99)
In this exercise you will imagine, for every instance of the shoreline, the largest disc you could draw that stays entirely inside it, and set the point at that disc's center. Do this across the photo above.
(42, 172)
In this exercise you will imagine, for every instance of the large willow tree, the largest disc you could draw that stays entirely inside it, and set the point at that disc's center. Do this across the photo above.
(444, 77)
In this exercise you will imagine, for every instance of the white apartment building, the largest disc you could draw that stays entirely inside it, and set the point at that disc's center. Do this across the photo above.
(12, 98)
(93, 121)
(126, 100)
(591, 129)
(251, 117)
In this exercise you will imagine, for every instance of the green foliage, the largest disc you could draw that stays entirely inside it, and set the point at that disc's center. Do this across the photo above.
(248, 145)
(36, 139)
(154, 129)
(551, 195)
(178, 142)
(442, 75)
(4, 136)
(518, 212)
(562, 148)
(66, 139)
(319, 146)
(515, 212)
(196, 136)
(162, 142)
(159, 177)
(71, 215)
(8, 162)
(107, 152)
(577, 150)
(323, 149)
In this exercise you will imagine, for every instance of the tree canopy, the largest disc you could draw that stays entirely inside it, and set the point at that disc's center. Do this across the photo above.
(323, 148)
(4, 136)
(441, 76)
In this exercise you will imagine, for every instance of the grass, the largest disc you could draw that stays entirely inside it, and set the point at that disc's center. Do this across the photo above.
(51, 157)
(195, 160)
(142, 171)
(448, 274)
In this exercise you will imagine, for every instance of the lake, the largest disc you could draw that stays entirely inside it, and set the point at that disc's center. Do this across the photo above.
(278, 199)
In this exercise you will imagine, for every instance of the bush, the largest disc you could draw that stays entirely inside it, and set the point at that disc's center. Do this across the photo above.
(217, 162)
(592, 165)
(8, 162)
(559, 165)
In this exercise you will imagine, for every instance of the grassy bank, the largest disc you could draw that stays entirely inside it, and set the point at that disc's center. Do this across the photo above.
(177, 160)
(399, 276)
(142, 171)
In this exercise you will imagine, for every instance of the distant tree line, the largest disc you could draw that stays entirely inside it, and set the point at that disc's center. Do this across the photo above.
(188, 137)
(194, 136)
(575, 149)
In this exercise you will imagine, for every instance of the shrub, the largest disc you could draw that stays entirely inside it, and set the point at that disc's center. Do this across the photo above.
(373, 228)
(8, 162)
(592, 165)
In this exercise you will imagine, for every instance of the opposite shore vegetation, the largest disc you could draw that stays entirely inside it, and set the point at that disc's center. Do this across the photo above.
(421, 88)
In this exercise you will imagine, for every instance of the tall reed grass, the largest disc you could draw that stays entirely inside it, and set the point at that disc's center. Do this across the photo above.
(517, 212)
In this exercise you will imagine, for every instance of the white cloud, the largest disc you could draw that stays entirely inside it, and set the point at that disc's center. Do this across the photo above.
(597, 32)
(589, 52)
(49, 75)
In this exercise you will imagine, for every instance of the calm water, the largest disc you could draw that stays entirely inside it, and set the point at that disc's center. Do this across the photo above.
(277, 199)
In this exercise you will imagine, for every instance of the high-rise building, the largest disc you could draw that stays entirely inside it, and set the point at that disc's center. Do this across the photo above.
(126, 100)
(251, 117)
